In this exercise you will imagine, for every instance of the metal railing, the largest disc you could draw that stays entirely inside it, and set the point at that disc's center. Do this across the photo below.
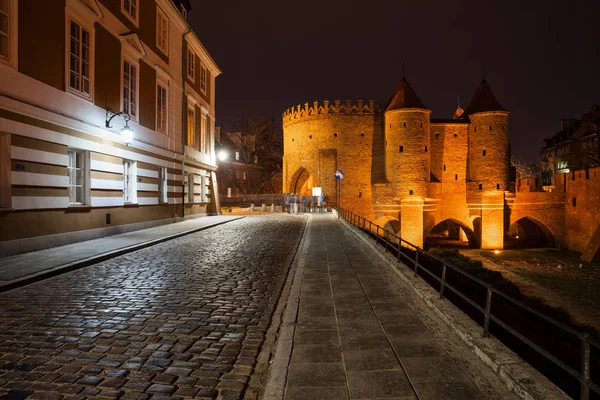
(390, 241)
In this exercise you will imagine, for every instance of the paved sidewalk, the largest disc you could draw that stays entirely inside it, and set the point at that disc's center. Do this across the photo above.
(22, 269)
(354, 335)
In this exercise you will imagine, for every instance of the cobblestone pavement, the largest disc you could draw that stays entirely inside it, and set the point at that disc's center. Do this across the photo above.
(185, 318)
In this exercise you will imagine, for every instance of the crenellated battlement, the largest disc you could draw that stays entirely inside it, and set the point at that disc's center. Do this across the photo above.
(336, 107)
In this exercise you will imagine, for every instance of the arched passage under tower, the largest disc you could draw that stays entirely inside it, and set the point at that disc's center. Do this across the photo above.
(451, 233)
(528, 233)
(302, 182)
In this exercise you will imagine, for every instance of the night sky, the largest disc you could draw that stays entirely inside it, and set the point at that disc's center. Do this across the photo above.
(542, 58)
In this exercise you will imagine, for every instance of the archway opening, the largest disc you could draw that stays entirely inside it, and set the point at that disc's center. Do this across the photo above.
(527, 233)
(302, 183)
(451, 233)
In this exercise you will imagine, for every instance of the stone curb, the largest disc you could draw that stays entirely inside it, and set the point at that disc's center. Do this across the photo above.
(275, 389)
(520, 377)
(86, 262)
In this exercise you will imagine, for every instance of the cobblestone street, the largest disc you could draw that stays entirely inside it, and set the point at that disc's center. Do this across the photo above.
(185, 318)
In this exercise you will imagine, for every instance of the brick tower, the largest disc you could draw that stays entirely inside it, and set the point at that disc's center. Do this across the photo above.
(406, 126)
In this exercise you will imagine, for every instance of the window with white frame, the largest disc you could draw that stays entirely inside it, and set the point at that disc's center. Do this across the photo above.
(191, 126)
(162, 102)
(162, 31)
(130, 9)
(162, 187)
(191, 187)
(79, 58)
(191, 65)
(5, 168)
(237, 155)
(129, 182)
(202, 77)
(203, 137)
(78, 172)
(5, 25)
(130, 92)
(228, 192)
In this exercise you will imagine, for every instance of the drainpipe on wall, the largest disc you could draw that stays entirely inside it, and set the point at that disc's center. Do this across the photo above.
(183, 119)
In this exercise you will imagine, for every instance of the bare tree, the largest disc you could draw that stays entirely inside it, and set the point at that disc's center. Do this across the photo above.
(261, 143)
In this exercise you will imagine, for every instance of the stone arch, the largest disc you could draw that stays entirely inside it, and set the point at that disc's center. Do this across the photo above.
(301, 181)
(450, 230)
(388, 223)
(527, 232)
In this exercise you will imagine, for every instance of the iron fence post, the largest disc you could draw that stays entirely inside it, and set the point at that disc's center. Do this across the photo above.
(385, 235)
(585, 368)
(443, 281)
(416, 261)
(488, 307)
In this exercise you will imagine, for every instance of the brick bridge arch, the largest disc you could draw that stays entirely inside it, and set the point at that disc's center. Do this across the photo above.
(297, 180)
(466, 226)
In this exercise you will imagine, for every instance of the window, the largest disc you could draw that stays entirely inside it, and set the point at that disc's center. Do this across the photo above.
(203, 78)
(5, 174)
(484, 152)
(203, 136)
(4, 29)
(244, 175)
(79, 59)
(490, 127)
(130, 9)
(184, 12)
(228, 192)
(191, 120)
(162, 31)
(129, 182)
(162, 187)
(425, 149)
(405, 125)
(574, 202)
(191, 187)
(444, 167)
(456, 177)
(130, 89)
(497, 186)
(161, 108)
(401, 148)
(191, 65)
(480, 186)
(78, 171)
(475, 129)
(237, 155)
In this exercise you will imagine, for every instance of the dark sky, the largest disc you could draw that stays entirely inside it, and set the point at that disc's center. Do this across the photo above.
(542, 58)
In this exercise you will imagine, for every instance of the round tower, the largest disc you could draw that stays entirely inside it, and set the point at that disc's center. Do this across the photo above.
(406, 125)
(489, 154)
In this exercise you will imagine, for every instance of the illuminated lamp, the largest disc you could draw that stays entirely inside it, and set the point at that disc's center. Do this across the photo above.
(126, 132)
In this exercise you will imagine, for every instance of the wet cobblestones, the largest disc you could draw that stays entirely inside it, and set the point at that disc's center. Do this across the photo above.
(182, 319)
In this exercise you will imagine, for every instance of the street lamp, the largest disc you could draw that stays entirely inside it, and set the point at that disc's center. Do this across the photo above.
(126, 132)
(222, 154)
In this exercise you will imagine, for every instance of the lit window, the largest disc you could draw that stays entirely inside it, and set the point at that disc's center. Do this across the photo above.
(191, 187)
(130, 8)
(77, 177)
(191, 134)
(191, 65)
(203, 134)
(228, 192)
(4, 29)
(161, 108)
(129, 182)
(162, 31)
(244, 175)
(203, 78)
(130, 89)
(237, 155)
(79, 59)
(163, 188)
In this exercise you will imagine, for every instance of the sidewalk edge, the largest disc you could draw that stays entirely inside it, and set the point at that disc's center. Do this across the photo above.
(86, 262)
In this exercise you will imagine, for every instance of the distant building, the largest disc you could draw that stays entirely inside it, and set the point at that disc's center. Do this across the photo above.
(67, 173)
(574, 147)
(233, 172)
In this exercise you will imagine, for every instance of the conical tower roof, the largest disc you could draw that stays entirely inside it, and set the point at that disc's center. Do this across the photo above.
(404, 97)
(483, 100)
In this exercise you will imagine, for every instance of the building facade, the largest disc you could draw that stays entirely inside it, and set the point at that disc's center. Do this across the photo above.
(73, 75)
(423, 177)
(574, 147)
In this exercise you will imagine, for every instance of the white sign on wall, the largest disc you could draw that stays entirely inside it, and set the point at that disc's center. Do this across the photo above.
(316, 191)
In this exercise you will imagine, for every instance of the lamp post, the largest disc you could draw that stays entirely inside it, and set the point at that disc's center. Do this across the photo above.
(126, 132)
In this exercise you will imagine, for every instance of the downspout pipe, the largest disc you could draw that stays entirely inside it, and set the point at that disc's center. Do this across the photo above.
(183, 118)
